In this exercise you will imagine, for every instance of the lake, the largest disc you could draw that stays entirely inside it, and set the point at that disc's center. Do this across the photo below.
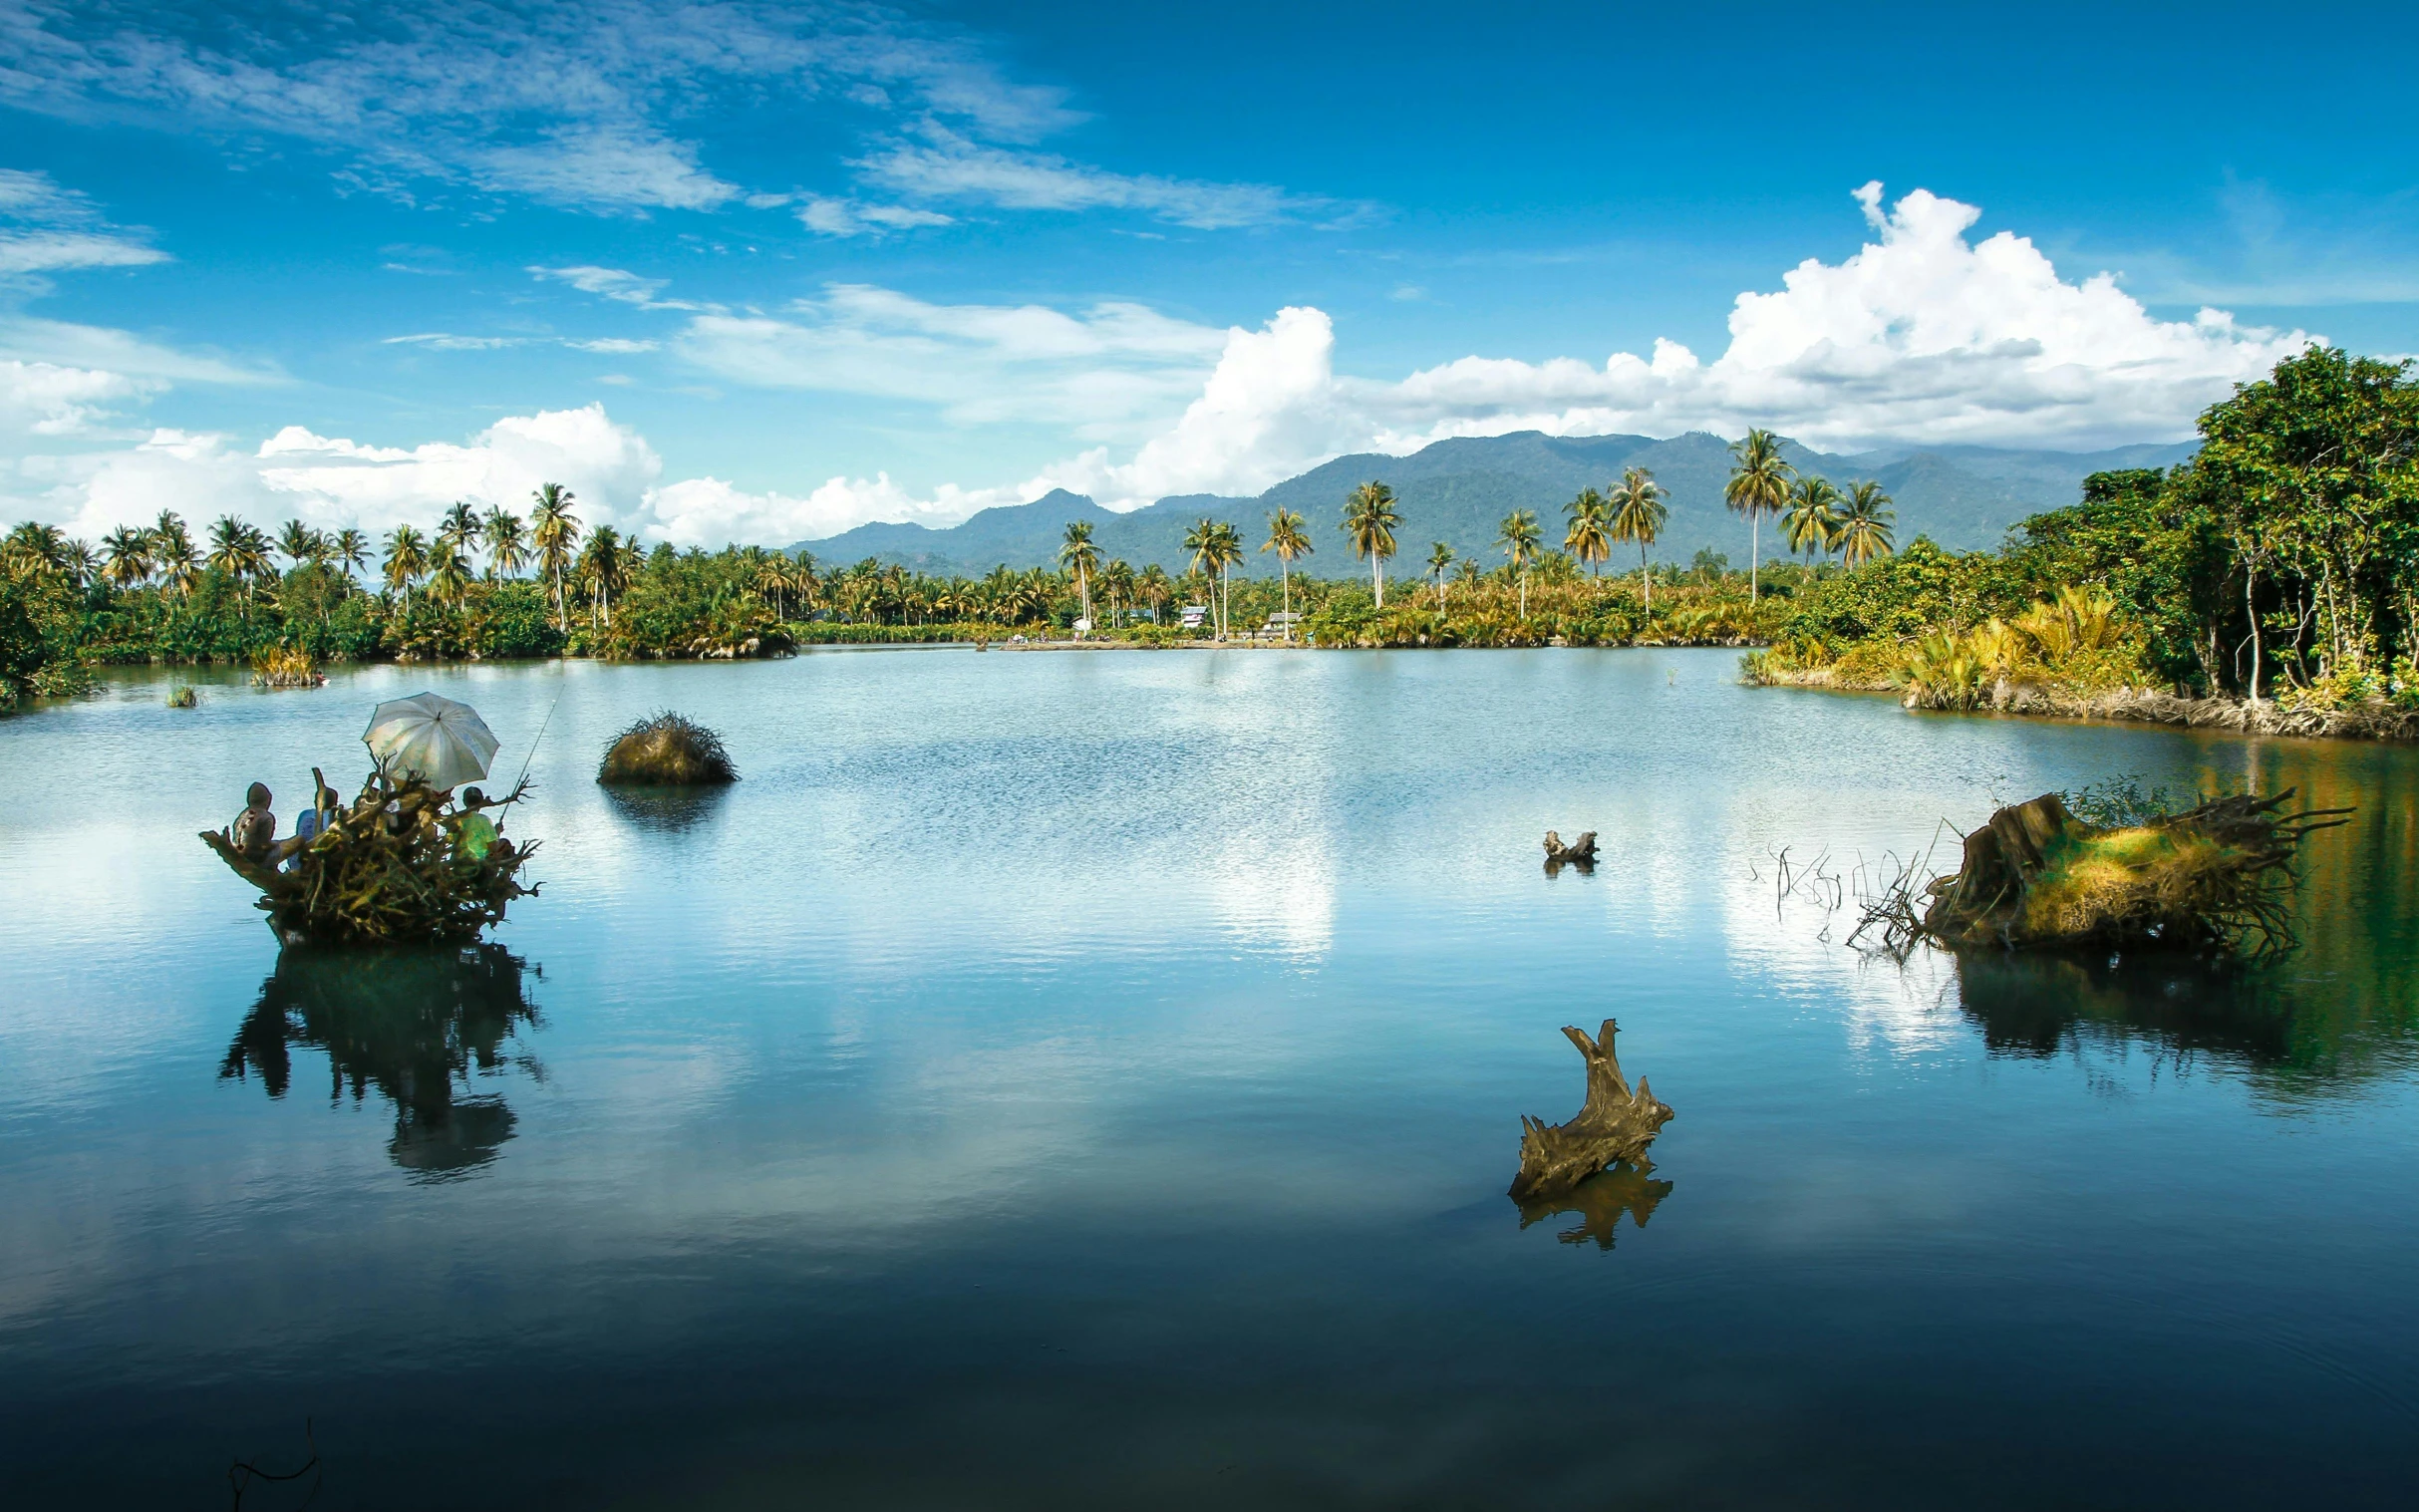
(1064, 1081)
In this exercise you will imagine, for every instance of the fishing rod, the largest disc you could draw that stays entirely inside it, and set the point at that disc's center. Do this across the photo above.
(522, 782)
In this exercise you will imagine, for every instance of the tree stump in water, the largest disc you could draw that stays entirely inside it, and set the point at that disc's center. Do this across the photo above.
(2213, 876)
(1615, 1124)
(1600, 1200)
(1580, 852)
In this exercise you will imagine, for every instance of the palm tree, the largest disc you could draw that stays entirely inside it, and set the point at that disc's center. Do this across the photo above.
(1864, 534)
(350, 550)
(1153, 588)
(173, 551)
(1287, 538)
(602, 571)
(1078, 556)
(239, 552)
(1227, 552)
(1758, 485)
(1440, 557)
(508, 542)
(1370, 520)
(1639, 513)
(1520, 537)
(555, 530)
(459, 527)
(1201, 540)
(83, 563)
(407, 559)
(1117, 581)
(300, 543)
(128, 560)
(1813, 522)
(1587, 538)
(449, 571)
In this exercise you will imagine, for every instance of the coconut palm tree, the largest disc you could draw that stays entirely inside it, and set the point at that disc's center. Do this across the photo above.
(1639, 513)
(1865, 525)
(1227, 552)
(1520, 538)
(1078, 556)
(1758, 485)
(508, 542)
(407, 559)
(1369, 518)
(300, 543)
(239, 552)
(1291, 541)
(173, 552)
(1587, 538)
(1440, 557)
(1153, 588)
(127, 562)
(459, 527)
(34, 547)
(350, 550)
(1117, 581)
(450, 573)
(1813, 522)
(604, 570)
(554, 531)
(82, 564)
(1202, 540)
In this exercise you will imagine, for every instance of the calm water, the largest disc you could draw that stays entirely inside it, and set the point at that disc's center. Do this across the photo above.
(1055, 1080)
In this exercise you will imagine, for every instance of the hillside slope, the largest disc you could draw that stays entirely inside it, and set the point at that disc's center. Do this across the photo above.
(1459, 490)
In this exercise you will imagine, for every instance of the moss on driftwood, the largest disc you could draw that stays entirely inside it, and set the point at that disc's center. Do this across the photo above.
(2217, 876)
(1615, 1124)
(667, 751)
(394, 868)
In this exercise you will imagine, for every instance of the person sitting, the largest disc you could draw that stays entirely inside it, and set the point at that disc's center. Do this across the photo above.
(474, 832)
(310, 823)
(254, 831)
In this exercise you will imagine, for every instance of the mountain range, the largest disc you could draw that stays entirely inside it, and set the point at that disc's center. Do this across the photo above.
(1458, 491)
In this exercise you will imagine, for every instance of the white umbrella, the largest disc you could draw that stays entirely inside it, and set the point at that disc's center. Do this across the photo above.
(440, 742)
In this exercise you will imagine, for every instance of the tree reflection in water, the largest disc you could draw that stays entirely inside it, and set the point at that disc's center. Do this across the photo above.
(1601, 1200)
(409, 1023)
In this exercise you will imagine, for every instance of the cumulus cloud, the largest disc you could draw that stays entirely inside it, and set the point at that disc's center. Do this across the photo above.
(41, 398)
(1922, 336)
(333, 481)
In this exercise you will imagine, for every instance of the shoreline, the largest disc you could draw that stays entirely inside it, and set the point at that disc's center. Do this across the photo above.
(2149, 706)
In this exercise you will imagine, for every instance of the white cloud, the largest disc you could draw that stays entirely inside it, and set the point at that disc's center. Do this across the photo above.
(56, 229)
(608, 283)
(46, 400)
(947, 165)
(333, 481)
(576, 106)
(122, 352)
(849, 217)
(1096, 371)
(447, 341)
(1922, 336)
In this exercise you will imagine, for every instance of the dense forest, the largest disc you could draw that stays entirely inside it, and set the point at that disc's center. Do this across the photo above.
(2280, 563)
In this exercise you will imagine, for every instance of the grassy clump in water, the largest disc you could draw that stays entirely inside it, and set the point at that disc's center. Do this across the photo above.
(667, 750)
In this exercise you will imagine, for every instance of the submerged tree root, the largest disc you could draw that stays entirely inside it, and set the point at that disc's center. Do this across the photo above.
(2217, 877)
(399, 867)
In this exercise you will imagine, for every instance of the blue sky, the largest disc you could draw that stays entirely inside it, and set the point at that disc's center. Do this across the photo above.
(766, 271)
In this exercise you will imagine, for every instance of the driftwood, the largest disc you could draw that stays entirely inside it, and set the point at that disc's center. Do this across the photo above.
(1580, 852)
(1615, 1124)
(2217, 875)
(393, 869)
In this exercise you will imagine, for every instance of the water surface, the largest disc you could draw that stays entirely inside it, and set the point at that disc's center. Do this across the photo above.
(1058, 1081)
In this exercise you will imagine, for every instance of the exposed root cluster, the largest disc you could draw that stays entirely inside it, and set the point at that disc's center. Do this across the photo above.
(667, 750)
(398, 866)
(2217, 877)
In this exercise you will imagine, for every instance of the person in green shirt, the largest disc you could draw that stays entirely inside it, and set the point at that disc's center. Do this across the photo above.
(474, 832)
